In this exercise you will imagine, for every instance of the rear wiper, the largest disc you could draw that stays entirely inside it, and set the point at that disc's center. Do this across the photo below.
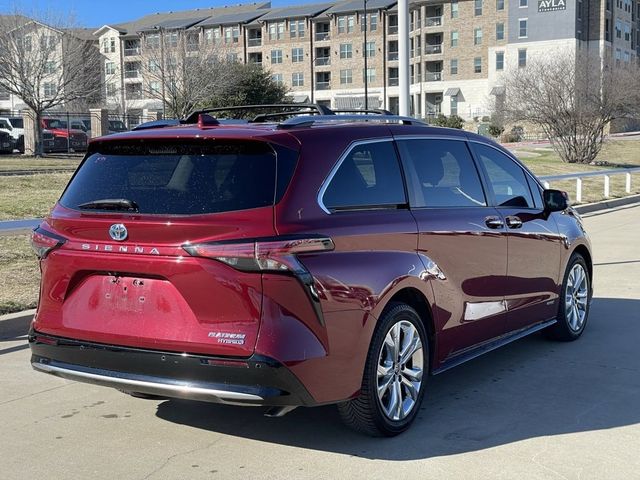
(110, 204)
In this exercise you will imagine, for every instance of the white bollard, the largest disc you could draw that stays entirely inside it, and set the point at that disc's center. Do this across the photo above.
(627, 187)
(606, 186)
(578, 190)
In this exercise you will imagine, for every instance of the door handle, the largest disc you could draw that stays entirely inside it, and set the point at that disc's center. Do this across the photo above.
(494, 222)
(513, 221)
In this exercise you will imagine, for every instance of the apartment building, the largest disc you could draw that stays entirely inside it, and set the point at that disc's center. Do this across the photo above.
(459, 49)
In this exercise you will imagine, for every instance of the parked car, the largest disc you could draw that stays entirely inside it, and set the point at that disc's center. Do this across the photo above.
(313, 261)
(117, 126)
(6, 142)
(65, 137)
(14, 126)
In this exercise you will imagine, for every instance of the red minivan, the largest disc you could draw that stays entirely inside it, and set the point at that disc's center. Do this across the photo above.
(323, 259)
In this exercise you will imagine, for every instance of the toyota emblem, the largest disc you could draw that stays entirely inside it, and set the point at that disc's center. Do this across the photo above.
(118, 232)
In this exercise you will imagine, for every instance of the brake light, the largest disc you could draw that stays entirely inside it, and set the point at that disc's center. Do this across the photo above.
(43, 242)
(262, 255)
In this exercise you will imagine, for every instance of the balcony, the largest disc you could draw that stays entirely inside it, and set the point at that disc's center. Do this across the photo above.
(323, 61)
(433, 22)
(322, 36)
(392, 29)
(393, 81)
(131, 51)
(132, 74)
(392, 56)
(255, 42)
(433, 77)
(432, 49)
(323, 85)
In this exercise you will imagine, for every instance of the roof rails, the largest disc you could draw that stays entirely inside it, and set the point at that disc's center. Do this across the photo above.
(378, 111)
(307, 121)
(286, 109)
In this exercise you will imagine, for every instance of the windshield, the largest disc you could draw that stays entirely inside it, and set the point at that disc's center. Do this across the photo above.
(180, 179)
(116, 125)
(17, 122)
(54, 123)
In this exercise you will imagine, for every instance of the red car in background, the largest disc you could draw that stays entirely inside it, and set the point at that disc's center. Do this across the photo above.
(316, 260)
(65, 138)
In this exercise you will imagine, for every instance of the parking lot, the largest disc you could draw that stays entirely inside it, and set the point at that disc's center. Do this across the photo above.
(535, 409)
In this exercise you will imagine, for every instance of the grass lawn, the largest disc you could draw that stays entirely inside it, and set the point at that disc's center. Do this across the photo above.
(30, 196)
(18, 162)
(20, 274)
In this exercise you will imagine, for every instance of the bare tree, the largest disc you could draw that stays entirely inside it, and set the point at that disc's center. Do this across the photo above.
(47, 64)
(182, 72)
(573, 99)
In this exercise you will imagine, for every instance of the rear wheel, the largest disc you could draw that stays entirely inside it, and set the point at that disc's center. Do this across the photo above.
(575, 298)
(394, 376)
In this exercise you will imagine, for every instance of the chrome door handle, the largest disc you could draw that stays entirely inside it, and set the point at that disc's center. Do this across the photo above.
(494, 222)
(513, 222)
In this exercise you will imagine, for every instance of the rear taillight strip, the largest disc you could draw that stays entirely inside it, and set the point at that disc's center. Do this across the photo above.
(44, 241)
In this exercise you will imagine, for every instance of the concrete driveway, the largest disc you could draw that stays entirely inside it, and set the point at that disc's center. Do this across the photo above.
(533, 410)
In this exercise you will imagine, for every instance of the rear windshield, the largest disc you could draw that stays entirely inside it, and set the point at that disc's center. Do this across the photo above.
(183, 179)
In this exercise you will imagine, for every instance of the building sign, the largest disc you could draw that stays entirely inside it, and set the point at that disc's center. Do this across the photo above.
(551, 5)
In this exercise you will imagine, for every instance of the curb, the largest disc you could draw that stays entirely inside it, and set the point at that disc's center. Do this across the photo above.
(15, 324)
(606, 204)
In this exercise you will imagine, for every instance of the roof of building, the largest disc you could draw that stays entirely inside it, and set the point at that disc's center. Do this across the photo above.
(232, 18)
(358, 6)
(296, 11)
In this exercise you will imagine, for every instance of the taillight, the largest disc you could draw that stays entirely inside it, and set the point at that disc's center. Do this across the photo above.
(262, 255)
(43, 241)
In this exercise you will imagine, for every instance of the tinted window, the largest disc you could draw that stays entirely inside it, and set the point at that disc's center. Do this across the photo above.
(443, 174)
(536, 191)
(17, 122)
(507, 180)
(368, 177)
(181, 179)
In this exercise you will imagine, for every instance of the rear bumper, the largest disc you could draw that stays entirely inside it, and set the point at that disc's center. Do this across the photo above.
(256, 380)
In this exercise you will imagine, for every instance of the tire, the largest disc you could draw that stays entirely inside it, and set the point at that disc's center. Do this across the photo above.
(575, 299)
(405, 379)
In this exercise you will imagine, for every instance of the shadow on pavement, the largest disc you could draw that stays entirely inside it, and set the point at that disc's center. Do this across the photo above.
(532, 388)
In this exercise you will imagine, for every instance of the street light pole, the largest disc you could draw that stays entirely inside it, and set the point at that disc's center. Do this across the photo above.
(403, 56)
(366, 64)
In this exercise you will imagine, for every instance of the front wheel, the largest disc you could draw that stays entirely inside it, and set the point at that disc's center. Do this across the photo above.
(395, 373)
(575, 299)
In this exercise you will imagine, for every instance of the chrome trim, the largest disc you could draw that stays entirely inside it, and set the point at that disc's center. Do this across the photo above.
(329, 177)
(150, 386)
(430, 137)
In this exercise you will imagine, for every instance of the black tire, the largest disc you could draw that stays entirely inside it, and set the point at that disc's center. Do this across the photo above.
(566, 328)
(366, 413)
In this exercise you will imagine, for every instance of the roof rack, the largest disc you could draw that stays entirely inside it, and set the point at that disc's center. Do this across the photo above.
(307, 121)
(296, 109)
(378, 111)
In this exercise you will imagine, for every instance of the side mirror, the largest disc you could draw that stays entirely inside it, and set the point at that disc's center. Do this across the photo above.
(555, 200)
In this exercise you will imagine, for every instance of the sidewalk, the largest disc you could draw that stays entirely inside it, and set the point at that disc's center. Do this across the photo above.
(13, 227)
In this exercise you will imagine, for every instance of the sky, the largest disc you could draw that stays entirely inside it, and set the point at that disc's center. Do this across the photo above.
(95, 13)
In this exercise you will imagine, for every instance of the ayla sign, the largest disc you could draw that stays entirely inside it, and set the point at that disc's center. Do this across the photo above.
(551, 5)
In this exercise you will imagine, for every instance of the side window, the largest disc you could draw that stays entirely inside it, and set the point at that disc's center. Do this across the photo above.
(369, 177)
(442, 174)
(506, 178)
(536, 191)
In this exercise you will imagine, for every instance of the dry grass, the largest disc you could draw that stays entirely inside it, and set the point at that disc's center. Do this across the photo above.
(30, 196)
(19, 274)
(18, 162)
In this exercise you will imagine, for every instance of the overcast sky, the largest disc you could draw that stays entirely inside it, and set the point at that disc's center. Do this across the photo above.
(92, 13)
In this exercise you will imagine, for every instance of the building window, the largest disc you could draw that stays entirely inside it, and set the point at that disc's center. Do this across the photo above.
(477, 9)
(499, 31)
(342, 24)
(477, 36)
(50, 68)
(276, 31)
(49, 89)
(453, 66)
(522, 57)
(454, 38)
(351, 23)
(154, 66)
(111, 89)
(346, 50)
(369, 49)
(276, 56)
(369, 75)
(112, 44)
(172, 39)
(297, 79)
(346, 76)
(110, 68)
(499, 4)
(154, 87)
(105, 45)
(296, 28)
(277, 78)
(373, 22)
(153, 41)
(477, 65)
(522, 28)
(524, 3)
(499, 61)
(454, 8)
(454, 105)
(297, 55)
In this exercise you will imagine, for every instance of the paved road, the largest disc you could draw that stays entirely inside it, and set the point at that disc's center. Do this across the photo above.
(533, 410)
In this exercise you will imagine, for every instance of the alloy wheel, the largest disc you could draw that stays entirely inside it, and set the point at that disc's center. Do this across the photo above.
(576, 297)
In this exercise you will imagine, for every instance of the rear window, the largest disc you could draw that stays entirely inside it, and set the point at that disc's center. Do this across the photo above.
(183, 179)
